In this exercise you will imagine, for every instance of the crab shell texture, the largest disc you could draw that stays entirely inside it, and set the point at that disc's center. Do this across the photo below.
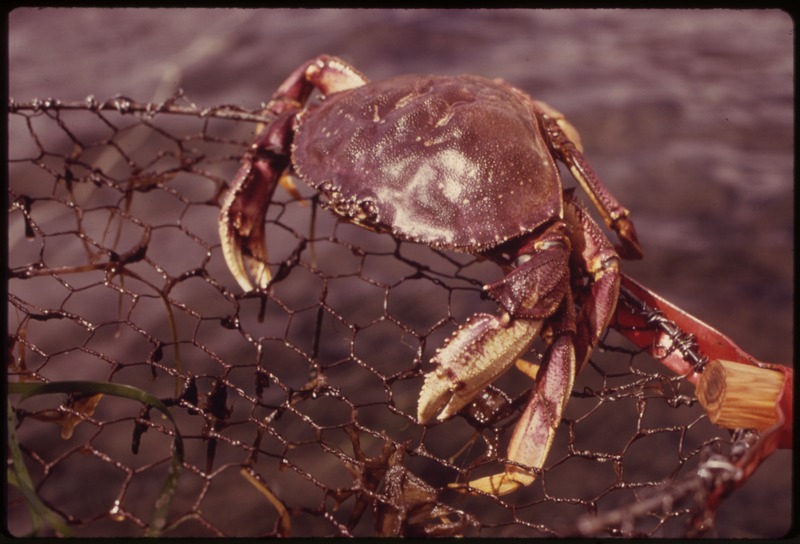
(452, 162)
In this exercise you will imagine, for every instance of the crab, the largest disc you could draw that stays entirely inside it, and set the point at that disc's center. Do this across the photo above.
(461, 163)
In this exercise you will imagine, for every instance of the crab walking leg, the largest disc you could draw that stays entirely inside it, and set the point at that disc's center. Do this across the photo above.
(565, 141)
(241, 225)
(598, 258)
(534, 432)
(326, 73)
(614, 214)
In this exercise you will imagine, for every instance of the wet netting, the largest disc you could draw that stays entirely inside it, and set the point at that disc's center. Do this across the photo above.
(160, 399)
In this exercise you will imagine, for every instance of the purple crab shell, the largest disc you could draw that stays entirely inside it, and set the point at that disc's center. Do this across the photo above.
(452, 162)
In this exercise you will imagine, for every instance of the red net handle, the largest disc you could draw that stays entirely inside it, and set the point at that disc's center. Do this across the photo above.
(633, 323)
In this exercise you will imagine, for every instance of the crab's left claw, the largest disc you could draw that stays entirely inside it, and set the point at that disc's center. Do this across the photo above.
(482, 349)
(241, 222)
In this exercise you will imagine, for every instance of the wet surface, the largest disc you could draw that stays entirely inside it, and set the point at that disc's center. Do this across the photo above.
(686, 115)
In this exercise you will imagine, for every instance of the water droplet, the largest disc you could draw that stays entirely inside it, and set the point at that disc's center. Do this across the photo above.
(116, 513)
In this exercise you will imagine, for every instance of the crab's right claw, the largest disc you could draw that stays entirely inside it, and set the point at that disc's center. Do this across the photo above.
(241, 223)
(481, 350)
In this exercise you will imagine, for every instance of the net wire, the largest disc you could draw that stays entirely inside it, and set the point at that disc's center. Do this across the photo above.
(296, 406)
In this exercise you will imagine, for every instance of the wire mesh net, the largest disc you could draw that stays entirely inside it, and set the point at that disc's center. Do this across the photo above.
(296, 407)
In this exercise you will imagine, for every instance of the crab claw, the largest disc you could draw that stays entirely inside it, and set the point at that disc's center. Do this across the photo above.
(241, 231)
(482, 349)
(241, 222)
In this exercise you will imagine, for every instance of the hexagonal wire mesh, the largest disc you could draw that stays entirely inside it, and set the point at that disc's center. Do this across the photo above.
(296, 407)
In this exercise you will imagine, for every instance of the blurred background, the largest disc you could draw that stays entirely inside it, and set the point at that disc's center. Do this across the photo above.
(687, 116)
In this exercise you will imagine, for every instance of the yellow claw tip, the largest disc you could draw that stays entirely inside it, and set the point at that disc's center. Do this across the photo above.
(451, 408)
(249, 272)
(502, 483)
(423, 414)
(262, 275)
(498, 484)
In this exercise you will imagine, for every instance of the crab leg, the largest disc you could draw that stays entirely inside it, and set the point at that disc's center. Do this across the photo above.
(565, 141)
(534, 432)
(241, 225)
(598, 258)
